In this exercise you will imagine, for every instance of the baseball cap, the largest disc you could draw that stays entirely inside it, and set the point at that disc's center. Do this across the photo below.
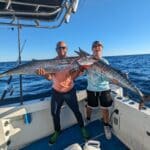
(97, 43)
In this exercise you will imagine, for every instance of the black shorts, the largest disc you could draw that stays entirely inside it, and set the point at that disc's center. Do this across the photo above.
(94, 98)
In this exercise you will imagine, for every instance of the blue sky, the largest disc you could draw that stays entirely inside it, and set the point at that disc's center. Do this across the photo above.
(123, 26)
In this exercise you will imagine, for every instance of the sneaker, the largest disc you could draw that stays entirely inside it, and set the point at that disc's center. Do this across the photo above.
(107, 132)
(85, 133)
(54, 137)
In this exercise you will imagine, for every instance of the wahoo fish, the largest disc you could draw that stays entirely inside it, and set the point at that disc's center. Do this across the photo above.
(120, 79)
(114, 75)
(30, 68)
(50, 65)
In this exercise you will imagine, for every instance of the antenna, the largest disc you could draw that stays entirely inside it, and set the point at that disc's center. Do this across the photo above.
(75, 5)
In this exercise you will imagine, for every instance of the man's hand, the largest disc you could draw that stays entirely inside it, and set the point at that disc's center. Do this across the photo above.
(114, 81)
(41, 72)
(79, 70)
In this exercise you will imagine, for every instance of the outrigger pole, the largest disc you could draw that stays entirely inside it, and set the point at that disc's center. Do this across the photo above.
(19, 61)
(9, 88)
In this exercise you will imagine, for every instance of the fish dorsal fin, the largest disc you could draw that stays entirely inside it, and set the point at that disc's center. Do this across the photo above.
(82, 53)
(121, 73)
(77, 52)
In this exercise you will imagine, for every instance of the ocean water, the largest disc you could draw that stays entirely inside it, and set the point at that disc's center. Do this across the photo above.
(137, 67)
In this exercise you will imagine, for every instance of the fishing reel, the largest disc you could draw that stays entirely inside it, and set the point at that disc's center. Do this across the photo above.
(9, 88)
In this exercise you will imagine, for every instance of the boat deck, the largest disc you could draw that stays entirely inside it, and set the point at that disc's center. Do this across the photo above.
(73, 135)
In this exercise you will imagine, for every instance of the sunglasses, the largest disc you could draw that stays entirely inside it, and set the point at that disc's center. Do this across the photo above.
(61, 47)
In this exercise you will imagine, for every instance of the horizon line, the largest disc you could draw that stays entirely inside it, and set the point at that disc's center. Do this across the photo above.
(103, 56)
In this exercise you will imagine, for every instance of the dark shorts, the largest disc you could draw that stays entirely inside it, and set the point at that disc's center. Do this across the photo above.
(94, 98)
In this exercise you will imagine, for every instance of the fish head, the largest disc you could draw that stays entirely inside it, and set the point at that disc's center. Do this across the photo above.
(86, 61)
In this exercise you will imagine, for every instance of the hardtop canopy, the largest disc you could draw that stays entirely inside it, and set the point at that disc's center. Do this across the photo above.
(36, 13)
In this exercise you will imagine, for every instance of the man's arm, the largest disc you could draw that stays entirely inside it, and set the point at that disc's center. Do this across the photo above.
(76, 73)
(42, 72)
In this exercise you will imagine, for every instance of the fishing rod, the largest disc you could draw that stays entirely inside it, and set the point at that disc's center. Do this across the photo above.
(9, 87)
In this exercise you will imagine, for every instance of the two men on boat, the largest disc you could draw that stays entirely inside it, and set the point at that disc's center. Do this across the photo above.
(63, 89)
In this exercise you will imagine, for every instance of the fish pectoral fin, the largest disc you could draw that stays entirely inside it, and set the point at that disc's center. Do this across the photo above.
(121, 73)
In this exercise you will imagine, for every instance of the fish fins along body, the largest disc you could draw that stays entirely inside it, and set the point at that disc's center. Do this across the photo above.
(144, 99)
(82, 53)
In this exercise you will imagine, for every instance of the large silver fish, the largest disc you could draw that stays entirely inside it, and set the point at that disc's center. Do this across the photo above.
(114, 75)
(51, 65)
(30, 68)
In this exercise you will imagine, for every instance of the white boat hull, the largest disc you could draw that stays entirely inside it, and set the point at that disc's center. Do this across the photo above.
(130, 125)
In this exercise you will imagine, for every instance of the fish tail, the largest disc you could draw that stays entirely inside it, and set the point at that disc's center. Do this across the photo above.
(144, 99)
(141, 104)
(1, 75)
